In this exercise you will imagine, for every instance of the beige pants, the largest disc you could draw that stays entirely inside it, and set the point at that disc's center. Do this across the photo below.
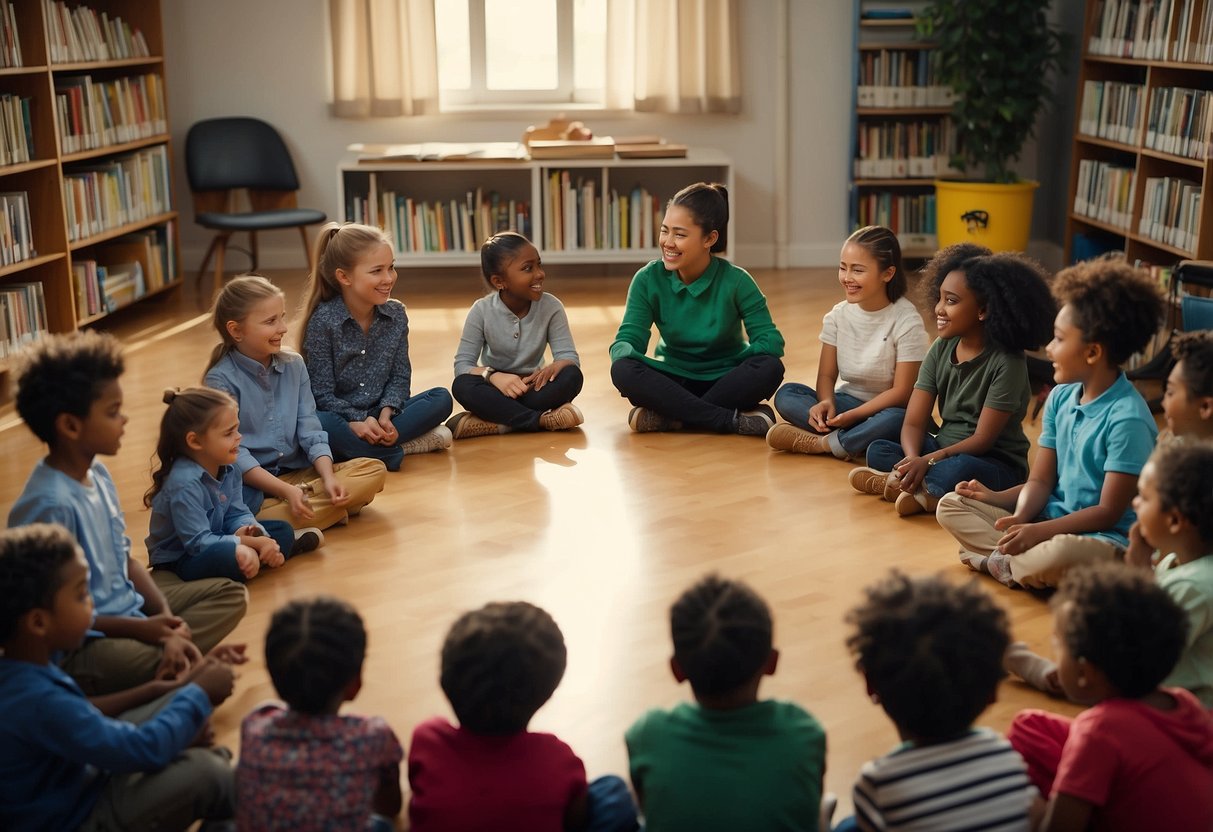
(972, 524)
(212, 607)
(363, 478)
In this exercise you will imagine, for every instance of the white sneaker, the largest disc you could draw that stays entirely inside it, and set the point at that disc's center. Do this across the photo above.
(438, 439)
(307, 540)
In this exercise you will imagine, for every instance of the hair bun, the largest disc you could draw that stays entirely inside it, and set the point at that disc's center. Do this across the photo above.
(170, 393)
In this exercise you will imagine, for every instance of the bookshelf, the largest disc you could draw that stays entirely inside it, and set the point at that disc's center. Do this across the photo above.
(902, 133)
(86, 148)
(576, 210)
(1143, 132)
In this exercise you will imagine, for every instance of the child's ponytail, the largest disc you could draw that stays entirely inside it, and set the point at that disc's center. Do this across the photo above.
(337, 246)
(233, 303)
(189, 411)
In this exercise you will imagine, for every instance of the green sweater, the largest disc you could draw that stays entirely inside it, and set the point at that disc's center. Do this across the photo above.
(700, 325)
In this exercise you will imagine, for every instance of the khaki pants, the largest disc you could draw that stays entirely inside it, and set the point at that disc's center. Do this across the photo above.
(363, 478)
(212, 607)
(972, 524)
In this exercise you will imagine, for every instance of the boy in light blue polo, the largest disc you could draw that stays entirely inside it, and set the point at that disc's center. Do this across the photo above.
(1096, 438)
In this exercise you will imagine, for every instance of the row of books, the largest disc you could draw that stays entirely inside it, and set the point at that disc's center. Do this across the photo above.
(1170, 211)
(901, 149)
(1105, 192)
(81, 34)
(1176, 30)
(418, 226)
(908, 215)
(22, 316)
(1181, 122)
(16, 233)
(121, 190)
(122, 271)
(578, 215)
(96, 113)
(1195, 39)
(16, 130)
(900, 78)
(10, 38)
(1111, 110)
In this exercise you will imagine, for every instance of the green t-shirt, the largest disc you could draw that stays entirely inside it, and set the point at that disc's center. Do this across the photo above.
(700, 325)
(1191, 585)
(994, 379)
(757, 768)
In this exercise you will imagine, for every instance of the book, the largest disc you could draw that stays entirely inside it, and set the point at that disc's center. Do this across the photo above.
(439, 152)
(598, 148)
(656, 150)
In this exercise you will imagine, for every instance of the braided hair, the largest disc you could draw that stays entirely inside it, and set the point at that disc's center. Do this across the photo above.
(314, 648)
(722, 633)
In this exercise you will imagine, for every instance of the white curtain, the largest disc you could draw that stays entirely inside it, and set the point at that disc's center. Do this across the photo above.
(385, 58)
(686, 56)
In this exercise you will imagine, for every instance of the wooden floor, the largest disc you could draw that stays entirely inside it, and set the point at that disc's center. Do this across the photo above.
(600, 526)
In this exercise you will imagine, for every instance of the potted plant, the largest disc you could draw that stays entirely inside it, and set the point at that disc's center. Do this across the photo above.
(997, 56)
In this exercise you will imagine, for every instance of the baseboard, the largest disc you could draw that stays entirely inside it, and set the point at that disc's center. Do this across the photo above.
(269, 257)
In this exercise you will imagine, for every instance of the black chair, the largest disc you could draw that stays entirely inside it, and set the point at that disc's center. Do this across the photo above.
(226, 155)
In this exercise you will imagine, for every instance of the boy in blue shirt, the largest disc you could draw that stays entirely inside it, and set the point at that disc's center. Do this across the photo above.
(63, 764)
(69, 396)
(1096, 437)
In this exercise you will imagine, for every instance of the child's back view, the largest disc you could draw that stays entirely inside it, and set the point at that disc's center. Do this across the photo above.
(727, 761)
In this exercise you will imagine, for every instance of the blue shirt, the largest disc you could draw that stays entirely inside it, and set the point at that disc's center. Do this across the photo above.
(1113, 434)
(356, 374)
(94, 517)
(56, 749)
(194, 511)
(277, 412)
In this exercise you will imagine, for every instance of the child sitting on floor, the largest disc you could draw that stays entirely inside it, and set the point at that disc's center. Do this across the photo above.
(500, 663)
(1188, 398)
(1141, 757)
(305, 766)
(728, 761)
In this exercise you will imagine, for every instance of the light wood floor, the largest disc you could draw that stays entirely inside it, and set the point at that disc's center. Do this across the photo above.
(600, 526)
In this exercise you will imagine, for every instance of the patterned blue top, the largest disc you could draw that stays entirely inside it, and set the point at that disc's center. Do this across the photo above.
(356, 374)
(277, 412)
(194, 511)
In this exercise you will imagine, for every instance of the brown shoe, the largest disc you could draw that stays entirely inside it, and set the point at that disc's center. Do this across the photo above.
(562, 418)
(644, 420)
(869, 480)
(909, 504)
(785, 437)
(465, 425)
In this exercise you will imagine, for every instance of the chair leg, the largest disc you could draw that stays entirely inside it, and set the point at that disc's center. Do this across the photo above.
(307, 249)
(207, 259)
(252, 247)
(219, 252)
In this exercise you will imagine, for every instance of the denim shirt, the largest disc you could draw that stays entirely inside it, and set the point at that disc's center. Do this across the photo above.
(356, 374)
(193, 511)
(277, 412)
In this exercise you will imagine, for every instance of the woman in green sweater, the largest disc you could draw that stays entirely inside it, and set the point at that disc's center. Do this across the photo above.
(704, 374)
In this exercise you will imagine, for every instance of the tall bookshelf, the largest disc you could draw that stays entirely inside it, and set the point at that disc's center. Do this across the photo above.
(902, 133)
(94, 169)
(1143, 133)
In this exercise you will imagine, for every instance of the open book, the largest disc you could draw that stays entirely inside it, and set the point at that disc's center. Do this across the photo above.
(439, 151)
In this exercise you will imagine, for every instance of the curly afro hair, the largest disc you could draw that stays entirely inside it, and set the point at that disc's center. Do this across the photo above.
(722, 635)
(500, 663)
(1195, 350)
(1119, 620)
(948, 260)
(930, 650)
(1183, 475)
(31, 562)
(1011, 288)
(64, 374)
(1113, 304)
(314, 648)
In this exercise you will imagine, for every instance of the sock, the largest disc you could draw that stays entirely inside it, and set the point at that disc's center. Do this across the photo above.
(1037, 671)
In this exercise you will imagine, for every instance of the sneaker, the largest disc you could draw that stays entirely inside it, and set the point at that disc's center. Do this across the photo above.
(645, 420)
(466, 425)
(756, 422)
(998, 567)
(437, 439)
(785, 437)
(307, 540)
(562, 418)
(892, 487)
(869, 481)
(916, 503)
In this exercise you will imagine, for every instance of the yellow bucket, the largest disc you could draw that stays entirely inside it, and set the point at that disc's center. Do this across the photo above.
(996, 216)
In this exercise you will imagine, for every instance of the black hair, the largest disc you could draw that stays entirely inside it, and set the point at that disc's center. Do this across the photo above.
(722, 635)
(497, 251)
(1195, 350)
(708, 205)
(31, 570)
(1123, 623)
(500, 663)
(884, 247)
(64, 374)
(314, 648)
(930, 650)
(1183, 475)
(1113, 303)
(946, 261)
(1011, 288)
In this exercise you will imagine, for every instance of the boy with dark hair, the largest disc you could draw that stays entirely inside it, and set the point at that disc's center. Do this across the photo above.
(728, 761)
(1096, 436)
(1187, 400)
(500, 664)
(931, 656)
(1142, 756)
(63, 764)
(307, 766)
(69, 395)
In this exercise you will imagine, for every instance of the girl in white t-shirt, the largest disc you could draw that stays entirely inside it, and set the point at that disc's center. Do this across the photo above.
(871, 346)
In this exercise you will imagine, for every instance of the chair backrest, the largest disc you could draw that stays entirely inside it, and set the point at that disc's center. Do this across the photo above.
(226, 153)
(1197, 313)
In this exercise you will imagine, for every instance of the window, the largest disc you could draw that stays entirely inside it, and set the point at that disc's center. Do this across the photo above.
(518, 52)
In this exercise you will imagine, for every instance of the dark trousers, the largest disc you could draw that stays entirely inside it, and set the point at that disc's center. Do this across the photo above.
(711, 404)
(482, 399)
(219, 561)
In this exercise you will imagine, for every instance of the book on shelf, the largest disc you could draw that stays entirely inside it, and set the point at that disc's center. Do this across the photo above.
(651, 150)
(22, 316)
(1111, 110)
(417, 226)
(1104, 192)
(439, 152)
(1142, 29)
(905, 214)
(16, 233)
(10, 38)
(81, 35)
(16, 130)
(1170, 211)
(125, 189)
(1180, 122)
(578, 216)
(900, 78)
(94, 113)
(602, 147)
(905, 149)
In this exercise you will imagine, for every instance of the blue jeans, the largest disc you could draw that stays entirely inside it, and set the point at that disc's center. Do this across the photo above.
(943, 476)
(419, 414)
(219, 561)
(794, 400)
(611, 806)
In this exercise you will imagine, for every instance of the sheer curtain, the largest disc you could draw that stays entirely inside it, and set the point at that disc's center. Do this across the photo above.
(385, 58)
(686, 55)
